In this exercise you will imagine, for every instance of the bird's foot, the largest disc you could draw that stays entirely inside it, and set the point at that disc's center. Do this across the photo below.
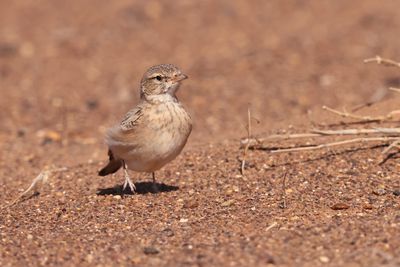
(129, 183)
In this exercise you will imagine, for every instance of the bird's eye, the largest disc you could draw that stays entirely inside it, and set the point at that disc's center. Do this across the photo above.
(159, 78)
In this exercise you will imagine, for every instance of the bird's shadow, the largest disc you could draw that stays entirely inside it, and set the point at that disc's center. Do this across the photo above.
(141, 188)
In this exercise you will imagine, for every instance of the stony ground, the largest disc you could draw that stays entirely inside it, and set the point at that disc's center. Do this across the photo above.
(70, 69)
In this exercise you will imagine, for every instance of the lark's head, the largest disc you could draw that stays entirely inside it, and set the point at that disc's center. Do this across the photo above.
(161, 79)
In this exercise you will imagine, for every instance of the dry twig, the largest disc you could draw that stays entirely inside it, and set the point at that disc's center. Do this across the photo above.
(283, 203)
(248, 137)
(246, 147)
(254, 142)
(346, 114)
(271, 226)
(338, 143)
(34, 187)
(387, 131)
(386, 135)
(260, 142)
(383, 61)
(397, 90)
(396, 143)
(375, 98)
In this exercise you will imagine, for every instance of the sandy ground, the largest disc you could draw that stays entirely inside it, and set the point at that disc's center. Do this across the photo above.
(70, 69)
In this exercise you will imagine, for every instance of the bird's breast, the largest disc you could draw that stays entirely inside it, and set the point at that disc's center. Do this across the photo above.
(158, 139)
(170, 127)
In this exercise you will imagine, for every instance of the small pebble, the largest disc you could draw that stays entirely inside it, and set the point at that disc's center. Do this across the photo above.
(168, 232)
(289, 190)
(89, 258)
(48, 136)
(324, 259)
(228, 203)
(150, 251)
(190, 204)
(340, 206)
(21, 132)
(368, 207)
(228, 192)
(92, 104)
(188, 246)
(396, 192)
(379, 191)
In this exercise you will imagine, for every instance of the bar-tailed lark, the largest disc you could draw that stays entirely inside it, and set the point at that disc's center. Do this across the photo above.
(155, 131)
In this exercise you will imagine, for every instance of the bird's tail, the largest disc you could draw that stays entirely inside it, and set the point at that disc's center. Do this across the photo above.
(112, 166)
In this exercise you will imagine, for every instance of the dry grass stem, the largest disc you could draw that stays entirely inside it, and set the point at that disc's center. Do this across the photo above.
(271, 226)
(41, 179)
(387, 131)
(395, 144)
(397, 90)
(346, 114)
(246, 148)
(249, 137)
(255, 142)
(283, 203)
(338, 143)
(378, 96)
(390, 136)
(383, 61)
(260, 142)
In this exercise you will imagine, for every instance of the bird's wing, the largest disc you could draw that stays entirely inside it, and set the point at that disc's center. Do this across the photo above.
(132, 118)
(121, 138)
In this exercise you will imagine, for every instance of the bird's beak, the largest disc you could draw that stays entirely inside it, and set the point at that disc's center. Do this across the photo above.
(180, 77)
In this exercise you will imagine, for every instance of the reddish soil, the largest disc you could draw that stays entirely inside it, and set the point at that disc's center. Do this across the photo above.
(70, 69)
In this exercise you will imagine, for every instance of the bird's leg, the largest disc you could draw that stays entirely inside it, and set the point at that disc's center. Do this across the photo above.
(155, 186)
(128, 181)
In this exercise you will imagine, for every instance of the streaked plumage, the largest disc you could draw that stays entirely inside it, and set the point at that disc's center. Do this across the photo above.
(155, 131)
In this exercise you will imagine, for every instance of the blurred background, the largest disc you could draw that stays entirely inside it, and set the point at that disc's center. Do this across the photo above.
(70, 69)
(75, 66)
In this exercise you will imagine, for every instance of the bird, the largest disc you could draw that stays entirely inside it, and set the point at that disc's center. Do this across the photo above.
(154, 132)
